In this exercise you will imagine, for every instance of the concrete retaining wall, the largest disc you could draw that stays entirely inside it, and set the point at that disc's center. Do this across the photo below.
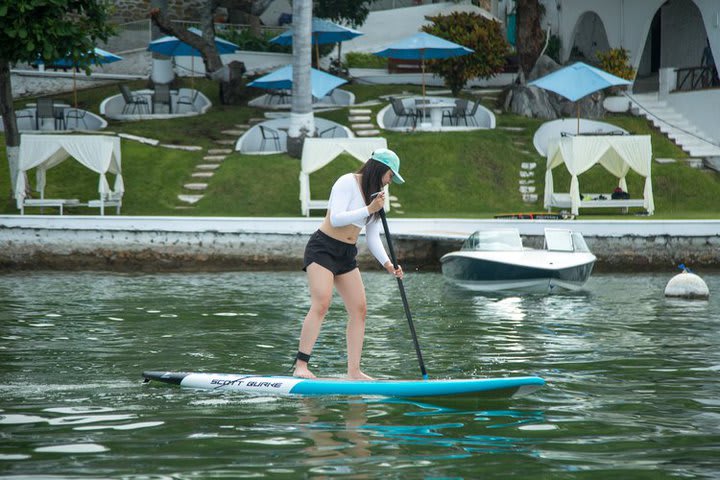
(184, 244)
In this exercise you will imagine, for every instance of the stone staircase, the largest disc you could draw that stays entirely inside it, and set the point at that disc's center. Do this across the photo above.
(675, 126)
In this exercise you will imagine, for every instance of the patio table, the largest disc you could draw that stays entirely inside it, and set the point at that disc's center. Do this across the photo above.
(436, 109)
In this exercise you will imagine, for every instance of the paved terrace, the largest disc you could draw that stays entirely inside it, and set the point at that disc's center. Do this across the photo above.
(221, 243)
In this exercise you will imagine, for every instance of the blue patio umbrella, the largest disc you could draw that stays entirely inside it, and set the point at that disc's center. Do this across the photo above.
(174, 47)
(322, 32)
(281, 79)
(423, 46)
(101, 57)
(577, 81)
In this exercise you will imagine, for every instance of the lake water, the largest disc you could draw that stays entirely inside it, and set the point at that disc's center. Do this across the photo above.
(632, 390)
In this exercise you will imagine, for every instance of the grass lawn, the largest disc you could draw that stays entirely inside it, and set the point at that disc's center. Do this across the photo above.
(458, 174)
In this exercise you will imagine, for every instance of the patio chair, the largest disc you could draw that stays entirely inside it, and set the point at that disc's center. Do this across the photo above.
(26, 114)
(328, 132)
(282, 97)
(187, 98)
(401, 112)
(268, 134)
(471, 114)
(76, 114)
(458, 112)
(162, 96)
(44, 111)
(133, 103)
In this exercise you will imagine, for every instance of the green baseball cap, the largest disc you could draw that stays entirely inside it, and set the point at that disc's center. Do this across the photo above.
(389, 158)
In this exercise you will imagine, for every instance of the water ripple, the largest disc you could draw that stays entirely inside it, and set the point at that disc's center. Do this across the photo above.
(631, 377)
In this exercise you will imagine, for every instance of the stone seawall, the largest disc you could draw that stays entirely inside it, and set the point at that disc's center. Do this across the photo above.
(151, 251)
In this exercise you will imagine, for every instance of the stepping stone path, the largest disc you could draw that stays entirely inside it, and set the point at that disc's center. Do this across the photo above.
(361, 122)
(395, 205)
(526, 182)
(211, 161)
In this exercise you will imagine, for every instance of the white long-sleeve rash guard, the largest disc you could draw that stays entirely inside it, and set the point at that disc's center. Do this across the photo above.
(347, 206)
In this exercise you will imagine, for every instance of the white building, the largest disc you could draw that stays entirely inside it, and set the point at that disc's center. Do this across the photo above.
(666, 41)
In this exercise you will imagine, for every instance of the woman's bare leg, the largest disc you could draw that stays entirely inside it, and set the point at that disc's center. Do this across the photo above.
(351, 289)
(320, 284)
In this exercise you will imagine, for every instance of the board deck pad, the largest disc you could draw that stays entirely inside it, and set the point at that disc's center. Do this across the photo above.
(286, 385)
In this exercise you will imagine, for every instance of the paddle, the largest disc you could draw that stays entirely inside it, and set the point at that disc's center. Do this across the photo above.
(403, 296)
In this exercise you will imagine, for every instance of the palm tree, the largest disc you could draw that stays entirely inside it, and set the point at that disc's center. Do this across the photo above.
(530, 36)
(302, 120)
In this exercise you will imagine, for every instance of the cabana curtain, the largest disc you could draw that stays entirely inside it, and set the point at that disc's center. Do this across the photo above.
(99, 153)
(617, 154)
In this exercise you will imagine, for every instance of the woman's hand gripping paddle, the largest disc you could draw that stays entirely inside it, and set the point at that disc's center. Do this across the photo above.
(402, 295)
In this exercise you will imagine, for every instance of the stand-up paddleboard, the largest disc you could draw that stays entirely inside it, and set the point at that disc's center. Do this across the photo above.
(284, 385)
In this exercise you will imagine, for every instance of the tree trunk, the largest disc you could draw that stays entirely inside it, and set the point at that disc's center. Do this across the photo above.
(530, 37)
(7, 110)
(246, 12)
(302, 120)
(204, 44)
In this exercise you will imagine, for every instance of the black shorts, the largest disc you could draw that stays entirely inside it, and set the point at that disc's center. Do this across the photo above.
(336, 256)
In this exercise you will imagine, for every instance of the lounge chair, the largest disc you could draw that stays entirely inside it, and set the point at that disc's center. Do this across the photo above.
(111, 199)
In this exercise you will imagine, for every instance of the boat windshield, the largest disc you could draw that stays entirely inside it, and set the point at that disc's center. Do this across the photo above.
(579, 242)
(494, 241)
(559, 240)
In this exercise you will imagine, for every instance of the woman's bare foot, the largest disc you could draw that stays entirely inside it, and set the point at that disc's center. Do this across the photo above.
(303, 372)
(358, 375)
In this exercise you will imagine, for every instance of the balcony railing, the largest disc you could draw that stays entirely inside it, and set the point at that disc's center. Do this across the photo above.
(696, 78)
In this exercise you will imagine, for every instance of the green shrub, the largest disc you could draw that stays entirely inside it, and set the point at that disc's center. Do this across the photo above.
(474, 31)
(364, 60)
(246, 40)
(617, 62)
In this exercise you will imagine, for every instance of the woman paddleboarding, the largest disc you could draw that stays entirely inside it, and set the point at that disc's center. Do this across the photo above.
(330, 256)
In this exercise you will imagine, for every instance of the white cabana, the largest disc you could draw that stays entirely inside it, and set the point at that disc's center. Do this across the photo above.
(318, 152)
(617, 153)
(99, 153)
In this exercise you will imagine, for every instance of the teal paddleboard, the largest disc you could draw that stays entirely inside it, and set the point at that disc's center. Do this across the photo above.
(285, 385)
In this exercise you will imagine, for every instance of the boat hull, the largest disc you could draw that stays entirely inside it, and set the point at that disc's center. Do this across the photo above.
(285, 385)
(535, 271)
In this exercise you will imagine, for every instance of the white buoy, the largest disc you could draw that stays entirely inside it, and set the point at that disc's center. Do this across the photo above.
(687, 285)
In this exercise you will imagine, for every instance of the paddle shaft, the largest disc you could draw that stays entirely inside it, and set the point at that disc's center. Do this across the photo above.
(403, 296)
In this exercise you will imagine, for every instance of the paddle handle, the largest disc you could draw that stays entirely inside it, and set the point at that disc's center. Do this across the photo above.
(404, 297)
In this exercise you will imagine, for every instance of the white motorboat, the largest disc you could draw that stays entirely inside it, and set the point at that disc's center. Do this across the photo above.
(495, 260)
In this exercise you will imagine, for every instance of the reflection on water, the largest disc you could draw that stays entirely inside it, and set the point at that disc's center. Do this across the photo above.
(632, 380)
